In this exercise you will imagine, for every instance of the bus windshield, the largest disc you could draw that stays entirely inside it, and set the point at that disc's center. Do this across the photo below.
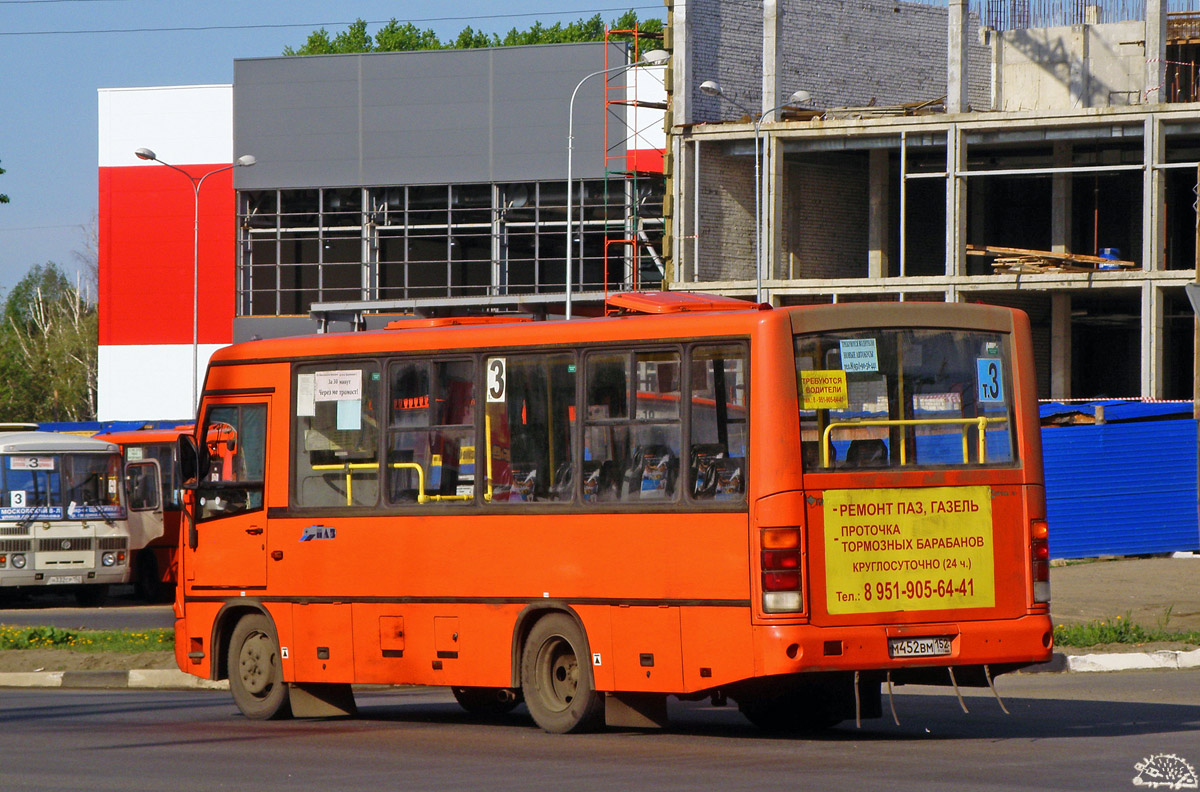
(37, 486)
(91, 481)
(892, 398)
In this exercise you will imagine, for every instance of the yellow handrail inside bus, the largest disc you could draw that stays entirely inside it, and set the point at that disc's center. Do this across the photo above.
(966, 423)
(348, 466)
(421, 496)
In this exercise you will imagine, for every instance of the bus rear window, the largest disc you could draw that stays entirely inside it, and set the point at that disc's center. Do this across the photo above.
(894, 398)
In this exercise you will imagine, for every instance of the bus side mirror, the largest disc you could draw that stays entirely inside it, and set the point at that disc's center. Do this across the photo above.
(192, 459)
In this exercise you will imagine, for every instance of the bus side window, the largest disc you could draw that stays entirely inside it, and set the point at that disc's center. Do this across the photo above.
(530, 410)
(336, 430)
(631, 455)
(717, 456)
(236, 437)
(431, 432)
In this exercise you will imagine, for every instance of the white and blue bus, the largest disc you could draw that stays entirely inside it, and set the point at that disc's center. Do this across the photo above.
(63, 519)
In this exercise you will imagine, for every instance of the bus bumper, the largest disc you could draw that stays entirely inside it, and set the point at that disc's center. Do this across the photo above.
(1001, 644)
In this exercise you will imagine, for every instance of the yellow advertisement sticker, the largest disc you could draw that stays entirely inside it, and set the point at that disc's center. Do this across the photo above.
(823, 390)
(909, 549)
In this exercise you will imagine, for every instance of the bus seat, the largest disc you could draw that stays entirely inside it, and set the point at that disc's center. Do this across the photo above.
(867, 453)
(651, 473)
(810, 454)
(702, 468)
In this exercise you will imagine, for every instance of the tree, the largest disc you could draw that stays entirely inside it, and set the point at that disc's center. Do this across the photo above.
(397, 37)
(48, 350)
(3, 197)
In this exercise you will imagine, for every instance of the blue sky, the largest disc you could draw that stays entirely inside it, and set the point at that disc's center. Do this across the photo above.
(55, 54)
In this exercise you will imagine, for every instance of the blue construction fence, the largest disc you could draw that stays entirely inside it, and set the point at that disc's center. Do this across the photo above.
(1121, 478)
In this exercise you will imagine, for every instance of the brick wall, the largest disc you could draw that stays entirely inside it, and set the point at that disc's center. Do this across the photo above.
(845, 52)
(726, 40)
(726, 216)
(826, 202)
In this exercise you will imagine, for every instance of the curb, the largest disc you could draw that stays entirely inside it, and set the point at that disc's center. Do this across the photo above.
(149, 678)
(1134, 661)
(1117, 661)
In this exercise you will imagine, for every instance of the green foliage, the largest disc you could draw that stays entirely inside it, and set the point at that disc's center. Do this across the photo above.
(1120, 631)
(406, 37)
(394, 37)
(126, 641)
(3, 197)
(48, 350)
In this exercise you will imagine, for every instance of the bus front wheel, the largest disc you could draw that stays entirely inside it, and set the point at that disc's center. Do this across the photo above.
(556, 678)
(255, 675)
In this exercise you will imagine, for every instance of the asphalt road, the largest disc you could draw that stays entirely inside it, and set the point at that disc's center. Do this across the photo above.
(123, 611)
(1081, 731)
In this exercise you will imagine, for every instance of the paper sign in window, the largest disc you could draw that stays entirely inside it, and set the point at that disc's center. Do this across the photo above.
(823, 390)
(858, 354)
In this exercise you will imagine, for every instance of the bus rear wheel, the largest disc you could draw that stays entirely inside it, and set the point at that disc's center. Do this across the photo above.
(255, 675)
(556, 678)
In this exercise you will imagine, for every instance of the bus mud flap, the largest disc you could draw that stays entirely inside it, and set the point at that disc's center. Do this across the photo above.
(635, 710)
(321, 700)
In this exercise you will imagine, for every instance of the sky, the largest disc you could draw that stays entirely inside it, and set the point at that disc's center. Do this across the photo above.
(55, 54)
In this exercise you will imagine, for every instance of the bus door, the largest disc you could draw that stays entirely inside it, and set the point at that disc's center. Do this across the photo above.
(229, 547)
(143, 495)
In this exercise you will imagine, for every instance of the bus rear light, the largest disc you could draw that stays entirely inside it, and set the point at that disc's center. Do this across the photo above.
(780, 539)
(1039, 559)
(782, 601)
(781, 581)
(781, 559)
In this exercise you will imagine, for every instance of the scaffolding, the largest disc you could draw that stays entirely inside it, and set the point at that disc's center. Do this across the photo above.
(627, 167)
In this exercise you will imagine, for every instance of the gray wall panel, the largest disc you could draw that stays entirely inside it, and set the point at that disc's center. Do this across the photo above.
(433, 117)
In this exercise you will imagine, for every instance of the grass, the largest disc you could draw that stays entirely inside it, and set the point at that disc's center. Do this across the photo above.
(126, 641)
(1121, 631)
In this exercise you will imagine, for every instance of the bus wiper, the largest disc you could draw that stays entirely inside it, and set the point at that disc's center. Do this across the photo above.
(100, 508)
(33, 515)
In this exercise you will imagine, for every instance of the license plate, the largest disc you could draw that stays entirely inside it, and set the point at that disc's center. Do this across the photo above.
(918, 647)
(64, 580)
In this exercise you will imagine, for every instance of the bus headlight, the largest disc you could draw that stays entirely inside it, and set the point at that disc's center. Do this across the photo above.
(108, 559)
(18, 561)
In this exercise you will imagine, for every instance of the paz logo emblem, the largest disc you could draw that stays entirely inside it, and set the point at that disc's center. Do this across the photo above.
(1165, 771)
(66, 544)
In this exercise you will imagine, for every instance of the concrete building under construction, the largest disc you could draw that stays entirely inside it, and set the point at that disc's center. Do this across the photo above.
(1035, 153)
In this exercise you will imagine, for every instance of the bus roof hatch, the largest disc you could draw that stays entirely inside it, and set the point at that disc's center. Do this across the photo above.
(662, 302)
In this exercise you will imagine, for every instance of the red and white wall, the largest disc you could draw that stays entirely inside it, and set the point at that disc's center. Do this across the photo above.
(146, 213)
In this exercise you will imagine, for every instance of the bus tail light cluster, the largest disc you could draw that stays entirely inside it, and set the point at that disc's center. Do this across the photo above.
(781, 575)
(1039, 559)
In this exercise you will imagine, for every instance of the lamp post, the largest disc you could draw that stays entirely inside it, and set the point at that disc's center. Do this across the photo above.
(244, 161)
(713, 88)
(651, 58)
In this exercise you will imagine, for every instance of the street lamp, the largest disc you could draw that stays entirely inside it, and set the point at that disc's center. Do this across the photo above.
(244, 161)
(651, 58)
(713, 88)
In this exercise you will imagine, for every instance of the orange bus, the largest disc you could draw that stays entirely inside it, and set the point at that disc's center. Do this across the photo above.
(692, 496)
(155, 506)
